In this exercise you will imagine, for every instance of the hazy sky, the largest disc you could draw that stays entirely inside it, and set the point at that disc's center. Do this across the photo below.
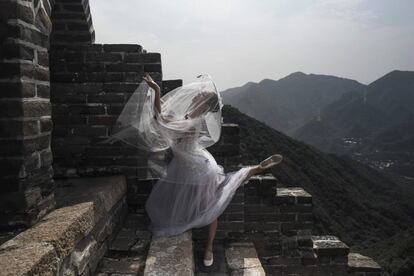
(237, 41)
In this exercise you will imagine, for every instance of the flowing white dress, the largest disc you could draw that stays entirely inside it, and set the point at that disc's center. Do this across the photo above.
(193, 193)
(193, 189)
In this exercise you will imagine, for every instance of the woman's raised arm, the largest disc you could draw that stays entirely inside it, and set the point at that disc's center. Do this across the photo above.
(151, 83)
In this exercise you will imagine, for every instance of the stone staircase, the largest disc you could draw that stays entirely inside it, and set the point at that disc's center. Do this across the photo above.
(266, 230)
(133, 252)
(273, 238)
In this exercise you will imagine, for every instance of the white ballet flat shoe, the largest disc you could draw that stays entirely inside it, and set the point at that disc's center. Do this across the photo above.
(208, 262)
(271, 161)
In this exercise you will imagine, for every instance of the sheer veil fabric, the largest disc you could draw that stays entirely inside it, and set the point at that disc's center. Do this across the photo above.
(192, 190)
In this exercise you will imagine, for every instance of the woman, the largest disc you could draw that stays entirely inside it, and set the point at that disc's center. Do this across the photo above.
(193, 189)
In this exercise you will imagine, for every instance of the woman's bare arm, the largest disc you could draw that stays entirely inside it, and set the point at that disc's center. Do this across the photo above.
(151, 83)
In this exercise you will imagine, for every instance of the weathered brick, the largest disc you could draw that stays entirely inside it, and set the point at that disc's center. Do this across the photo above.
(69, 119)
(103, 57)
(9, 70)
(68, 98)
(12, 10)
(102, 151)
(114, 109)
(28, 34)
(124, 67)
(77, 26)
(152, 68)
(87, 109)
(46, 125)
(43, 58)
(305, 217)
(262, 226)
(122, 48)
(89, 131)
(17, 90)
(43, 91)
(37, 108)
(152, 58)
(289, 226)
(69, 77)
(17, 51)
(73, 7)
(31, 108)
(46, 158)
(120, 87)
(102, 120)
(106, 98)
(305, 208)
(134, 58)
(11, 128)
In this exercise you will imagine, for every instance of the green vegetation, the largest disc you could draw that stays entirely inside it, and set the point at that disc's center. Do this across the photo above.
(351, 200)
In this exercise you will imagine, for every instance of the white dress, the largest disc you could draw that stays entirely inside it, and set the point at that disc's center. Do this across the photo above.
(193, 192)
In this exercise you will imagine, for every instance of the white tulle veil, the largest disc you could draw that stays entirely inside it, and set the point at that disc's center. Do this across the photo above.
(189, 121)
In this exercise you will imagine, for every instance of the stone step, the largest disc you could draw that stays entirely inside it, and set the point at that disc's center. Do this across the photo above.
(330, 249)
(126, 253)
(170, 256)
(230, 258)
(242, 259)
(361, 265)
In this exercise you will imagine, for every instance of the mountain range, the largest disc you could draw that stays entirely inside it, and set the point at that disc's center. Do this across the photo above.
(372, 123)
(362, 206)
(288, 103)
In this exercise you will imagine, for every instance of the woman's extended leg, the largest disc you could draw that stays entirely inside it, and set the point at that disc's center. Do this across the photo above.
(213, 226)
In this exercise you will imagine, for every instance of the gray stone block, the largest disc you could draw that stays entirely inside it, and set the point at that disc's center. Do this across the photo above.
(127, 265)
(170, 256)
(329, 246)
(83, 253)
(242, 259)
(361, 263)
(31, 258)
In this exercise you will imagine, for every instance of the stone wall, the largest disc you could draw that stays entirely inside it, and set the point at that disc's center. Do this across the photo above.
(72, 23)
(25, 117)
(72, 239)
(90, 86)
(25, 114)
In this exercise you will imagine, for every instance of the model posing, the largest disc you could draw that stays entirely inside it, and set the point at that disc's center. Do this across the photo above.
(193, 190)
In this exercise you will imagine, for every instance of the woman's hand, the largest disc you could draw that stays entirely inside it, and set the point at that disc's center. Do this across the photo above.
(151, 83)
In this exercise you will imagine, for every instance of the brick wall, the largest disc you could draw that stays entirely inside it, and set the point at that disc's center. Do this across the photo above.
(25, 118)
(72, 23)
(26, 183)
(90, 86)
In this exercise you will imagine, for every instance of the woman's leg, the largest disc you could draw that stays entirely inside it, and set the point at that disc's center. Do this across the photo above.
(213, 226)
(211, 234)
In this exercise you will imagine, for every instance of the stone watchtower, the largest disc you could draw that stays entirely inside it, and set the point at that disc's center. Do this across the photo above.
(73, 206)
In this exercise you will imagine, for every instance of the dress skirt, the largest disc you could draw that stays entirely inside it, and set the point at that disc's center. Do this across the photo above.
(192, 193)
